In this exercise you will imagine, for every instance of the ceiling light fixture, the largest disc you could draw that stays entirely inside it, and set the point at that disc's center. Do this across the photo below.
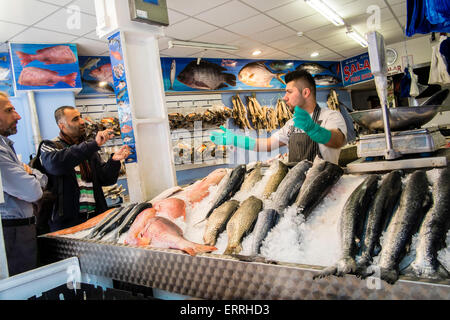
(200, 45)
(326, 11)
(257, 52)
(314, 54)
(355, 36)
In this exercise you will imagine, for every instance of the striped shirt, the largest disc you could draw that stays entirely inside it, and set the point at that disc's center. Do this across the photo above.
(87, 200)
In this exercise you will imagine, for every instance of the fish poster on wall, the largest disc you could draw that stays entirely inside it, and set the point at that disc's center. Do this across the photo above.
(96, 75)
(6, 78)
(189, 74)
(121, 91)
(356, 69)
(45, 66)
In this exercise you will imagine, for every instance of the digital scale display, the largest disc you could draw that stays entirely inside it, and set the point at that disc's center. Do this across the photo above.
(149, 11)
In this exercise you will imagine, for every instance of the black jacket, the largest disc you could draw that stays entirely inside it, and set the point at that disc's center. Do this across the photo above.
(60, 165)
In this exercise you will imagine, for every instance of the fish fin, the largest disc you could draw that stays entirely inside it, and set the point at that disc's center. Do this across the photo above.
(25, 58)
(70, 79)
(330, 271)
(230, 79)
(389, 275)
(222, 85)
(279, 75)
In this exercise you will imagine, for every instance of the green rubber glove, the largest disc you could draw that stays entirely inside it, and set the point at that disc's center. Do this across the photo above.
(302, 120)
(229, 138)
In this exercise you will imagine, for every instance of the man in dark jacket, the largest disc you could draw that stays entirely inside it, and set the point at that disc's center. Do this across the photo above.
(76, 170)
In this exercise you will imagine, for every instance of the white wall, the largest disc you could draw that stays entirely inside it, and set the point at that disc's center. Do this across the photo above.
(419, 48)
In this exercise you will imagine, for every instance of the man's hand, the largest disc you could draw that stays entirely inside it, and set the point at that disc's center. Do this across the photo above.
(303, 120)
(229, 138)
(27, 169)
(103, 136)
(122, 153)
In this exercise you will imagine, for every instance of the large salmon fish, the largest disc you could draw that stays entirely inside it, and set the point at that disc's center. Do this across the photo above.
(200, 190)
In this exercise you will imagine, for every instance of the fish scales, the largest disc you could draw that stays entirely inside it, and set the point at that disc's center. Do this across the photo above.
(322, 176)
(379, 214)
(266, 220)
(206, 75)
(241, 223)
(275, 179)
(290, 185)
(433, 231)
(253, 177)
(217, 221)
(233, 184)
(103, 223)
(350, 226)
(414, 202)
(115, 222)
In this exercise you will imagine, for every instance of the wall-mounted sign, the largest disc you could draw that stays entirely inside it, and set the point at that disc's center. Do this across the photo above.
(356, 69)
(190, 74)
(121, 90)
(96, 75)
(45, 66)
(6, 77)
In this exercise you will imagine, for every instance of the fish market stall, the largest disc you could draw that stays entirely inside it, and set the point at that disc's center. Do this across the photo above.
(282, 256)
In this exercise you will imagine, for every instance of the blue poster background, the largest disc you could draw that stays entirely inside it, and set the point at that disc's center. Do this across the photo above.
(223, 74)
(356, 69)
(59, 70)
(6, 77)
(90, 82)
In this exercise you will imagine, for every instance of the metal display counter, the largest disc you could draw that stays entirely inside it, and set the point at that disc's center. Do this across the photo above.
(213, 276)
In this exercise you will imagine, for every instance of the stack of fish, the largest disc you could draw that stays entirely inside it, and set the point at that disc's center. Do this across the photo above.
(247, 202)
(370, 210)
(94, 126)
(186, 153)
(211, 117)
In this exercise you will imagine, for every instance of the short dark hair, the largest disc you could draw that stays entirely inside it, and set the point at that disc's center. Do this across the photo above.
(302, 75)
(59, 113)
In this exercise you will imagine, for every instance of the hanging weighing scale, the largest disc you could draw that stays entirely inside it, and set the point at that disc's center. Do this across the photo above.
(402, 143)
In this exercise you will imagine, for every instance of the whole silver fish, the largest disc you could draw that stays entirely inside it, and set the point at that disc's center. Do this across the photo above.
(275, 179)
(433, 231)
(252, 178)
(414, 202)
(322, 176)
(326, 80)
(241, 223)
(233, 185)
(257, 74)
(266, 220)
(217, 221)
(312, 67)
(290, 186)
(379, 214)
(350, 226)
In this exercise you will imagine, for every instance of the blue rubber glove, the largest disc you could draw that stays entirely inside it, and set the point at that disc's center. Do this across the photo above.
(302, 120)
(229, 138)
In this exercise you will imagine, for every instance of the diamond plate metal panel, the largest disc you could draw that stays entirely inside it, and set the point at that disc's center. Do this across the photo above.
(212, 276)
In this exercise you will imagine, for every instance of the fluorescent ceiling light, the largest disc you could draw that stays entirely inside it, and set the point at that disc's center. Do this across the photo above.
(257, 52)
(357, 37)
(326, 11)
(200, 45)
(314, 54)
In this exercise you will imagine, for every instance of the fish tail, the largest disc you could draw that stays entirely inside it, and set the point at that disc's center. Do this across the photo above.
(279, 75)
(25, 58)
(230, 79)
(388, 275)
(70, 79)
(195, 248)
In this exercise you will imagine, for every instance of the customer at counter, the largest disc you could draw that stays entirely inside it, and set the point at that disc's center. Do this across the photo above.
(77, 171)
(312, 131)
(22, 186)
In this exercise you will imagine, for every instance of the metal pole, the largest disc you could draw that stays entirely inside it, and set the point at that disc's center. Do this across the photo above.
(34, 120)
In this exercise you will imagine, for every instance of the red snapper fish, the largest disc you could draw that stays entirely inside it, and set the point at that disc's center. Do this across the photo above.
(52, 55)
(137, 225)
(32, 76)
(172, 207)
(126, 128)
(200, 190)
(160, 232)
(116, 55)
(103, 73)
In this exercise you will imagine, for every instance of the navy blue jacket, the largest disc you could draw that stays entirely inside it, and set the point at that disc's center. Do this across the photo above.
(60, 164)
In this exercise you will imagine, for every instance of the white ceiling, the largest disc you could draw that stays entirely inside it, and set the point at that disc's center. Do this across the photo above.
(268, 25)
